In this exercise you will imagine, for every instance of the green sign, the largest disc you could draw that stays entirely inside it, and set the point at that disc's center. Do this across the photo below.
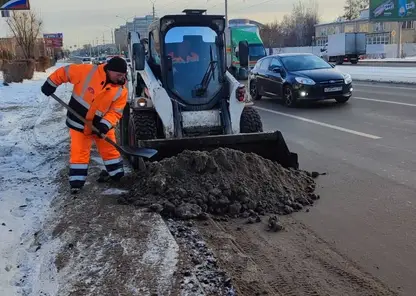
(392, 10)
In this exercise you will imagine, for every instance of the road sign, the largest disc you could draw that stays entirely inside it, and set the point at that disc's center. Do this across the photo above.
(54, 40)
(392, 10)
(14, 5)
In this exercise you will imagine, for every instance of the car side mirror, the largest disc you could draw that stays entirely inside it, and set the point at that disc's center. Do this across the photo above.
(277, 70)
(139, 56)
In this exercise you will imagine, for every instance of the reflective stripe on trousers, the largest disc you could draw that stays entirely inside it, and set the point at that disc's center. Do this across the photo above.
(78, 174)
(114, 166)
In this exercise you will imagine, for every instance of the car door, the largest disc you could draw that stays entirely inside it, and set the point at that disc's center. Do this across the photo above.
(274, 77)
(261, 77)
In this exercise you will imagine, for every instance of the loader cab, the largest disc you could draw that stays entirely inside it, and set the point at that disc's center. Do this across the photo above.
(188, 51)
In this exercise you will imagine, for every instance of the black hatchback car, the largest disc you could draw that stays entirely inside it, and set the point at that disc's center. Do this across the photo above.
(299, 77)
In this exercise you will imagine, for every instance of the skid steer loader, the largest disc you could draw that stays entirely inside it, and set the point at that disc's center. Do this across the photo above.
(181, 97)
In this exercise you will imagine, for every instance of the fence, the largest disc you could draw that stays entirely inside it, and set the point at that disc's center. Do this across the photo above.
(374, 51)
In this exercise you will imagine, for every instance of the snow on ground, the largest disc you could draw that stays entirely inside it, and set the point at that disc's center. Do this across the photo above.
(33, 142)
(382, 74)
(397, 60)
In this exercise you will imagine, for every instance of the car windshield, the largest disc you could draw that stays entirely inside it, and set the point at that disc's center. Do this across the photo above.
(86, 59)
(304, 62)
(193, 52)
(256, 51)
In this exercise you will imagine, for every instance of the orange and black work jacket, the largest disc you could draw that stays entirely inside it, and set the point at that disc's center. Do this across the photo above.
(91, 98)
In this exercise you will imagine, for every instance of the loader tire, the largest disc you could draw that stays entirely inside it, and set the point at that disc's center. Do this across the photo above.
(142, 126)
(250, 121)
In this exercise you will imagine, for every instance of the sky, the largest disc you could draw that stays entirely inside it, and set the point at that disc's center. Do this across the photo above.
(86, 21)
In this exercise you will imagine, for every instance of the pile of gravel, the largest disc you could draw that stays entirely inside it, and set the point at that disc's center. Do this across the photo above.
(220, 182)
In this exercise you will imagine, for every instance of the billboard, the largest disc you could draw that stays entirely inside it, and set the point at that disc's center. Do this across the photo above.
(54, 40)
(392, 10)
(14, 5)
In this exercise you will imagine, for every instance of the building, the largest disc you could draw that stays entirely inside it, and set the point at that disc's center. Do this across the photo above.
(377, 32)
(120, 37)
(141, 25)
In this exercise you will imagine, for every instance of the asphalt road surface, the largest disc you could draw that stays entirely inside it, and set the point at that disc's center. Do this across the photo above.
(367, 147)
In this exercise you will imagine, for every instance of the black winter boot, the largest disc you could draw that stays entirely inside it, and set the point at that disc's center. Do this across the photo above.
(104, 177)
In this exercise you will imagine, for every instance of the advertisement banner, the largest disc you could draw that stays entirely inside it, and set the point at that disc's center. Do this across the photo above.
(54, 40)
(14, 5)
(392, 10)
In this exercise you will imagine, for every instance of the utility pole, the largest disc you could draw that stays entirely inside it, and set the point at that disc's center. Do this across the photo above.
(399, 39)
(112, 36)
(226, 13)
(153, 8)
(103, 39)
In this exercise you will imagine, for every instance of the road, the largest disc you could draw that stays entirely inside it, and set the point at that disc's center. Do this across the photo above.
(367, 147)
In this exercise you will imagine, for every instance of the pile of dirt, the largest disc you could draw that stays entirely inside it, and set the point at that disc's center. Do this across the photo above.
(221, 182)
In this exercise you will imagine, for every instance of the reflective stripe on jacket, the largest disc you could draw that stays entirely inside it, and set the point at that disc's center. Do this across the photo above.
(89, 99)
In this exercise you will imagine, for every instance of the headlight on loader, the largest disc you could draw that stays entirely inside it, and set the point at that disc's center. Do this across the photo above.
(142, 102)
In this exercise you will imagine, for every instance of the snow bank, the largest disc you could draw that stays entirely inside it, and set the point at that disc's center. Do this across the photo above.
(395, 60)
(33, 140)
(381, 74)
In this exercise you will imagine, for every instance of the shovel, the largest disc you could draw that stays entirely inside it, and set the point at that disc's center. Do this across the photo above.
(129, 151)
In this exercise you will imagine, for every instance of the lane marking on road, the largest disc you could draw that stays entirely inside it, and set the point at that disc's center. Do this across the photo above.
(335, 127)
(383, 101)
(385, 85)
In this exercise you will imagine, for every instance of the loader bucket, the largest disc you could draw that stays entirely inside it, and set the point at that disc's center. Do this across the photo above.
(268, 145)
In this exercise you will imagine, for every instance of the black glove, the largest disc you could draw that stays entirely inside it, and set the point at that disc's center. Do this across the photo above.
(103, 128)
(48, 89)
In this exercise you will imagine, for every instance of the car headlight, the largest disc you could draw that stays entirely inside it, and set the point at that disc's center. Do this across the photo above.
(347, 78)
(303, 80)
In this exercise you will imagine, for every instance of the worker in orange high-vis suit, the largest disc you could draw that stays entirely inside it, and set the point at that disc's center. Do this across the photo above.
(99, 96)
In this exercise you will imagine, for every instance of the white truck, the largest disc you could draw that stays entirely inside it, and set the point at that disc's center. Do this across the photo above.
(344, 47)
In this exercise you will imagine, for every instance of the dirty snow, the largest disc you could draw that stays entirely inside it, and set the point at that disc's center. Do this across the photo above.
(381, 74)
(33, 140)
(396, 60)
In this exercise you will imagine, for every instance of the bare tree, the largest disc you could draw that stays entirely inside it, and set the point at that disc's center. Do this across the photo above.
(352, 9)
(25, 27)
(296, 29)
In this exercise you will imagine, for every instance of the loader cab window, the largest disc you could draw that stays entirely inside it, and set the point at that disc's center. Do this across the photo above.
(196, 73)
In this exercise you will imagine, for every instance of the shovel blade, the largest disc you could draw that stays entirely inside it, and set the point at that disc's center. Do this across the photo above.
(139, 152)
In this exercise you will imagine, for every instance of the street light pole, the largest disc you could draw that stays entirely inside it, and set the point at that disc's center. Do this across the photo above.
(226, 13)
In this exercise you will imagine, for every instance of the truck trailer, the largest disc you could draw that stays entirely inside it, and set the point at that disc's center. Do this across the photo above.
(235, 34)
(344, 47)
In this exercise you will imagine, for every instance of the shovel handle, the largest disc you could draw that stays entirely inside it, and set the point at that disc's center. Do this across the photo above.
(93, 128)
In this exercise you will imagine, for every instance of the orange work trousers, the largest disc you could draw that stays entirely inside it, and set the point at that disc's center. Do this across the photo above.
(80, 157)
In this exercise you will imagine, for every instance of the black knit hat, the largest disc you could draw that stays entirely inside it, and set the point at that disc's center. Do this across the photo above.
(117, 64)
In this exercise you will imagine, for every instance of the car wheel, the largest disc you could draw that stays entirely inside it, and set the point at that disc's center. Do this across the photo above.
(289, 98)
(254, 92)
(342, 100)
